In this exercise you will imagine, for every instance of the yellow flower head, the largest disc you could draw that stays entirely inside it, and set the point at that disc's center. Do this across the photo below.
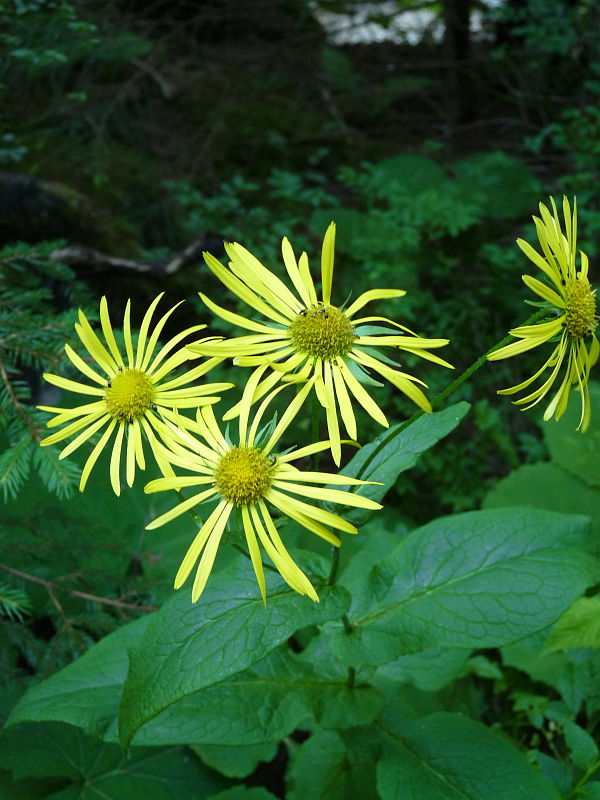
(132, 397)
(251, 477)
(572, 302)
(303, 336)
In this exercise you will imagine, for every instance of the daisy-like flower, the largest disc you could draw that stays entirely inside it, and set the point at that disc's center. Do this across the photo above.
(304, 335)
(251, 478)
(572, 302)
(130, 397)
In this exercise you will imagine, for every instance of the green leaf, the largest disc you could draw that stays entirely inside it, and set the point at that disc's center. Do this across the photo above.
(583, 749)
(578, 454)
(28, 788)
(87, 692)
(574, 673)
(264, 704)
(547, 485)
(395, 451)
(326, 767)
(430, 669)
(479, 579)
(579, 626)
(556, 772)
(450, 757)
(376, 540)
(189, 647)
(102, 770)
(244, 793)
(235, 762)
(591, 791)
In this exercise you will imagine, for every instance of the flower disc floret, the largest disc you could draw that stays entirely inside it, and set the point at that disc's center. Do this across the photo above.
(580, 313)
(243, 475)
(129, 394)
(323, 331)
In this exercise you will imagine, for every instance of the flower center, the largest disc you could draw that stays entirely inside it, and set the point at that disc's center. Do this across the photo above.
(243, 475)
(323, 331)
(130, 393)
(580, 313)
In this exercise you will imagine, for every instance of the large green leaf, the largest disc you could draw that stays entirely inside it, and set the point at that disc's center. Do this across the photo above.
(479, 579)
(579, 626)
(236, 761)
(430, 669)
(547, 485)
(450, 757)
(578, 454)
(263, 704)
(87, 692)
(328, 768)
(97, 769)
(574, 673)
(27, 788)
(395, 451)
(189, 647)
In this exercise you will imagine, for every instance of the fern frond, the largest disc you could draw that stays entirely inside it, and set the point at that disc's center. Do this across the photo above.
(14, 603)
(59, 477)
(15, 465)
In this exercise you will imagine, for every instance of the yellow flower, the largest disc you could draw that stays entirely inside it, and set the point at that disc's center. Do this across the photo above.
(250, 477)
(572, 301)
(130, 398)
(303, 336)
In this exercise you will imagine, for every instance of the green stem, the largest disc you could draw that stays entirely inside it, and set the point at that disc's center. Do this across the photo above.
(439, 398)
(583, 780)
(335, 563)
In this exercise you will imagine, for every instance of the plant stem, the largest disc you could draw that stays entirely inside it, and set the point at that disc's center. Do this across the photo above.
(439, 398)
(583, 780)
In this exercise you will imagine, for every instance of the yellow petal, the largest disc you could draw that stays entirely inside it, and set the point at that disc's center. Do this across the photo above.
(344, 402)
(109, 335)
(235, 319)
(307, 280)
(543, 291)
(197, 545)
(327, 257)
(372, 294)
(254, 551)
(239, 288)
(361, 394)
(287, 416)
(289, 259)
(115, 460)
(73, 386)
(208, 556)
(330, 495)
(290, 505)
(180, 509)
(83, 367)
(271, 287)
(333, 429)
(93, 457)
